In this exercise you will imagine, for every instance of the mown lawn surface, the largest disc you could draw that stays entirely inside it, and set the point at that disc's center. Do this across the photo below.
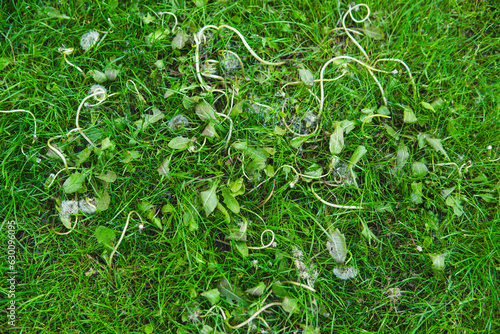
(219, 161)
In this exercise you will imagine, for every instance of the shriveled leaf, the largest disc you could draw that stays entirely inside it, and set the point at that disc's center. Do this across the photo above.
(409, 116)
(436, 144)
(179, 143)
(98, 76)
(105, 236)
(209, 131)
(73, 183)
(337, 139)
(109, 176)
(419, 169)
(213, 296)
(232, 294)
(306, 77)
(437, 261)
(336, 246)
(373, 32)
(257, 290)
(230, 201)
(205, 111)
(209, 200)
(290, 305)
(180, 40)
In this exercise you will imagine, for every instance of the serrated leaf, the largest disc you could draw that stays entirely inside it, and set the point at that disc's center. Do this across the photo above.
(409, 116)
(105, 236)
(209, 200)
(231, 293)
(374, 32)
(213, 296)
(180, 39)
(205, 111)
(436, 144)
(437, 261)
(419, 169)
(416, 195)
(306, 77)
(73, 183)
(336, 246)
(230, 201)
(179, 143)
(337, 139)
(290, 305)
(109, 176)
(257, 290)
(402, 156)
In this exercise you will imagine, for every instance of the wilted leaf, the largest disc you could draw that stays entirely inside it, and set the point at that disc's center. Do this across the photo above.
(98, 76)
(437, 261)
(416, 195)
(231, 293)
(180, 40)
(105, 236)
(73, 183)
(290, 305)
(179, 143)
(402, 156)
(337, 139)
(164, 170)
(213, 296)
(336, 246)
(373, 32)
(257, 290)
(436, 144)
(209, 200)
(419, 169)
(306, 77)
(109, 176)
(409, 116)
(102, 203)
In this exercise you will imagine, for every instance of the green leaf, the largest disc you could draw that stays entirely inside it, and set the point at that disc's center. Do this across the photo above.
(105, 236)
(337, 139)
(107, 143)
(314, 172)
(306, 77)
(409, 116)
(109, 177)
(237, 186)
(98, 76)
(164, 168)
(437, 261)
(200, 3)
(374, 32)
(148, 329)
(367, 233)
(416, 195)
(242, 248)
(436, 144)
(158, 35)
(419, 169)
(180, 39)
(205, 111)
(189, 221)
(83, 156)
(454, 202)
(73, 183)
(336, 246)
(232, 294)
(209, 199)
(357, 155)
(290, 305)
(279, 131)
(257, 290)
(237, 109)
(230, 201)
(427, 106)
(279, 290)
(128, 156)
(213, 296)
(102, 203)
(347, 125)
(402, 156)
(297, 142)
(209, 131)
(437, 103)
(179, 143)
(4, 62)
(51, 12)
(157, 222)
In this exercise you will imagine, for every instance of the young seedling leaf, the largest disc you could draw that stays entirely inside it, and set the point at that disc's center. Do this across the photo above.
(337, 139)
(257, 290)
(213, 296)
(356, 156)
(209, 199)
(73, 183)
(230, 201)
(409, 116)
(336, 246)
(436, 144)
(105, 236)
(179, 143)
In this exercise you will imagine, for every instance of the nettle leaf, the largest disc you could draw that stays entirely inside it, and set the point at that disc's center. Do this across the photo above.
(109, 176)
(409, 116)
(213, 296)
(180, 39)
(336, 246)
(337, 139)
(436, 144)
(231, 293)
(105, 236)
(205, 111)
(290, 305)
(419, 169)
(306, 77)
(416, 195)
(179, 143)
(437, 261)
(373, 32)
(257, 290)
(73, 183)
(402, 156)
(209, 199)
(230, 201)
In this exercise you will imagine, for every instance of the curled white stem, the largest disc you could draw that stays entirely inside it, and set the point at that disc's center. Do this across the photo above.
(100, 95)
(171, 14)
(26, 111)
(349, 12)
(338, 206)
(121, 237)
(262, 240)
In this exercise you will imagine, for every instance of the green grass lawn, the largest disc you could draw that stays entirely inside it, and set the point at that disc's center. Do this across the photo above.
(212, 184)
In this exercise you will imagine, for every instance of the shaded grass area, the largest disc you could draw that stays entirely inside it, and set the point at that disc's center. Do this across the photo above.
(64, 284)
